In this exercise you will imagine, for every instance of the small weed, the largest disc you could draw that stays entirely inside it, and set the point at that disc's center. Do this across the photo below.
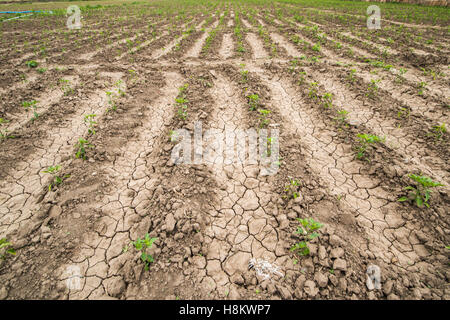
(421, 86)
(111, 100)
(173, 135)
(403, 113)
(64, 85)
(316, 47)
(181, 102)
(4, 132)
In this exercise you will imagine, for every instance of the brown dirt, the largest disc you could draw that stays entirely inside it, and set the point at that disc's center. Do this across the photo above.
(211, 218)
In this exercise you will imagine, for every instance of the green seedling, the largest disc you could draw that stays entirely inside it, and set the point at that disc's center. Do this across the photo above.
(403, 113)
(182, 109)
(31, 64)
(351, 76)
(372, 88)
(327, 100)
(173, 136)
(244, 75)
(341, 119)
(253, 101)
(4, 132)
(307, 232)
(313, 91)
(365, 142)
(316, 47)
(263, 113)
(89, 120)
(120, 92)
(142, 245)
(421, 86)
(292, 189)
(57, 180)
(33, 106)
(420, 193)
(41, 70)
(268, 151)
(438, 131)
(64, 85)
(81, 147)
(111, 100)
(6, 249)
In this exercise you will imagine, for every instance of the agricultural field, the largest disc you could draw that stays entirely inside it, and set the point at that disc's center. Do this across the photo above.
(349, 198)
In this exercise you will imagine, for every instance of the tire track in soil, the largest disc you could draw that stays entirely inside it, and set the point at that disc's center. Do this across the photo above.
(196, 49)
(242, 226)
(383, 126)
(257, 46)
(375, 208)
(167, 49)
(441, 91)
(90, 55)
(44, 101)
(410, 25)
(26, 185)
(125, 207)
(280, 41)
(401, 94)
(227, 46)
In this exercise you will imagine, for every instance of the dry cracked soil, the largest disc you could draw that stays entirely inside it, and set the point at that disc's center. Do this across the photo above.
(224, 225)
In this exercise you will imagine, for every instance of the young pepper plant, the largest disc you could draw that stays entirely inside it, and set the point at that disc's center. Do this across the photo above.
(142, 245)
(307, 231)
(421, 193)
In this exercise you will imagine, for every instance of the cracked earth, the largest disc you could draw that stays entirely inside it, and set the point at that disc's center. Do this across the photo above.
(219, 220)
